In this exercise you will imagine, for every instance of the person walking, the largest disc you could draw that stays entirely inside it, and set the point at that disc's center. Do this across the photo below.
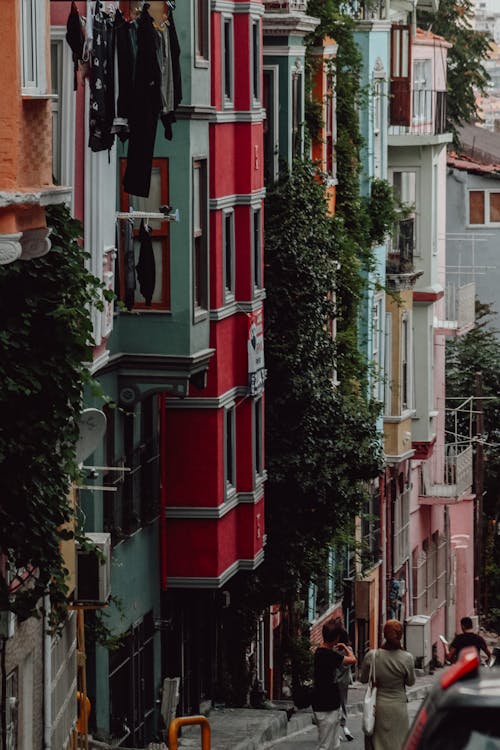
(326, 695)
(343, 681)
(466, 638)
(394, 668)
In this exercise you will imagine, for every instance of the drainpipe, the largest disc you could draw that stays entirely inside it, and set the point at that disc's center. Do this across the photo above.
(47, 678)
(162, 403)
(447, 569)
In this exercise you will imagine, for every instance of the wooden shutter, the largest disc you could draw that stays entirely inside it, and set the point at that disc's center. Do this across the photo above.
(400, 106)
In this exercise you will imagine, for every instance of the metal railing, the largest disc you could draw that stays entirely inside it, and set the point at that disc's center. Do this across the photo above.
(457, 474)
(427, 115)
(285, 6)
(401, 246)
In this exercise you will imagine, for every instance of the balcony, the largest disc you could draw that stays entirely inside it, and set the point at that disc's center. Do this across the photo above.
(456, 481)
(370, 10)
(399, 266)
(285, 6)
(417, 111)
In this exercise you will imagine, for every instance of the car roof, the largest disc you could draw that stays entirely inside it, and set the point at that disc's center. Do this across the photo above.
(482, 691)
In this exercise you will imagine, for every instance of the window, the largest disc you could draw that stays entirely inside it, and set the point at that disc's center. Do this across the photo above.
(378, 96)
(330, 125)
(256, 67)
(401, 528)
(388, 365)
(200, 242)
(63, 108)
(228, 251)
(403, 243)
(230, 448)
(137, 496)
(484, 207)
(296, 110)
(33, 24)
(227, 60)
(258, 437)
(257, 247)
(270, 124)
(160, 236)
(400, 100)
(377, 350)
(422, 91)
(201, 33)
(370, 528)
(406, 370)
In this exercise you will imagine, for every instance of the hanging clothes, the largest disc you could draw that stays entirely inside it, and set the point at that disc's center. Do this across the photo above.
(174, 51)
(146, 269)
(102, 83)
(129, 263)
(125, 65)
(76, 39)
(147, 103)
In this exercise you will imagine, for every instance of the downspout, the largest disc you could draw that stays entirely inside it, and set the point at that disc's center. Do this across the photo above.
(162, 405)
(47, 677)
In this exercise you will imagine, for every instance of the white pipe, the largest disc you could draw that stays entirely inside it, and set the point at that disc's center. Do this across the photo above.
(47, 678)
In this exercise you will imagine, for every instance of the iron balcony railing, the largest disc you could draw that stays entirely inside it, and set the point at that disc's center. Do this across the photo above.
(401, 247)
(427, 115)
(457, 474)
(285, 6)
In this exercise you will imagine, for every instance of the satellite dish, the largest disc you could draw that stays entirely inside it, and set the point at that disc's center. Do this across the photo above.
(91, 426)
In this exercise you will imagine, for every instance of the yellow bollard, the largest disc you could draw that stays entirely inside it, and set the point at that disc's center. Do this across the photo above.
(181, 721)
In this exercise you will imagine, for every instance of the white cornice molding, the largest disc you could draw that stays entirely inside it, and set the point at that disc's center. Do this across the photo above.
(238, 199)
(41, 197)
(210, 402)
(215, 582)
(241, 115)
(226, 6)
(233, 307)
(194, 512)
(287, 24)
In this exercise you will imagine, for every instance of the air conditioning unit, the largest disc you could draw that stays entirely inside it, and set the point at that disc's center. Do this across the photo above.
(418, 639)
(94, 569)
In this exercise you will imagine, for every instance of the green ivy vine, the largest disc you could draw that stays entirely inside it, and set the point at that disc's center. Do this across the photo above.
(45, 341)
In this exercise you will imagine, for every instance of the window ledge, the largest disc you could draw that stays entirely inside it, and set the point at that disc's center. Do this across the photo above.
(36, 97)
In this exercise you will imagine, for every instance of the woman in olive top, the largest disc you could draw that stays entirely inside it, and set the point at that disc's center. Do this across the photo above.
(326, 695)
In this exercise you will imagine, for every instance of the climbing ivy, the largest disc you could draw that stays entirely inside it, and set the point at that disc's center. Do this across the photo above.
(45, 341)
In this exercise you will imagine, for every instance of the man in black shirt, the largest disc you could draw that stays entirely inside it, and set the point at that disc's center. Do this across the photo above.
(466, 638)
(326, 695)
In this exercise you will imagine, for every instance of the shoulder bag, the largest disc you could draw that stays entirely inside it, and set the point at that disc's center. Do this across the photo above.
(368, 722)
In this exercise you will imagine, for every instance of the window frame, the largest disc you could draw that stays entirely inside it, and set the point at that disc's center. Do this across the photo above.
(257, 270)
(228, 258)
(64, 108)
(201, 34)
(270, 102)
(32, 39)
(256, 55)
(297, 109)
(200, 248)
(229, 449)
(258, 438)
(227, 61)
(487, 192)
(161, 233)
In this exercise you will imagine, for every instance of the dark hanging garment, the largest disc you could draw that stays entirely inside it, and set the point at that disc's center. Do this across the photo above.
(125, 65)
(146, 107)
(76, 39)
(146, 269)
(102, 84)
(129, 263)
(174, 50)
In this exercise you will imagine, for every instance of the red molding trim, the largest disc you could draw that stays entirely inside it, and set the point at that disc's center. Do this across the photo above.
(428, 296)
(423, 450)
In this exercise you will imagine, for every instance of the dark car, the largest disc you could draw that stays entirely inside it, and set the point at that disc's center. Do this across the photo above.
(462, 710)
